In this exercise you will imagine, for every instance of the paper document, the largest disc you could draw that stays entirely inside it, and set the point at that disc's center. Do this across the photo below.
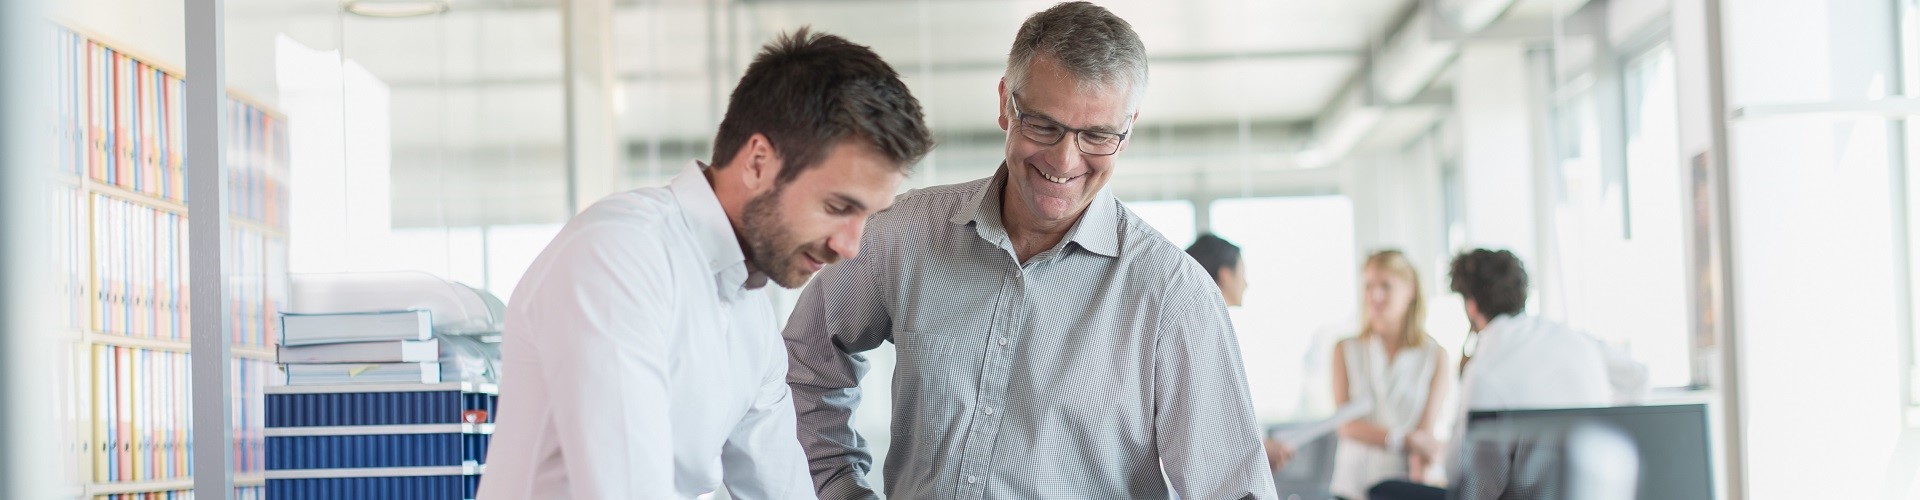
(1300, 434)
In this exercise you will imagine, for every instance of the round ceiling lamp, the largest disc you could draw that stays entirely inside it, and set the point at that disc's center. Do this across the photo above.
(397, 8)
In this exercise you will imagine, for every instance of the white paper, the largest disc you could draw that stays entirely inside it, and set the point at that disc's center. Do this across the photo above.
(1299, 435)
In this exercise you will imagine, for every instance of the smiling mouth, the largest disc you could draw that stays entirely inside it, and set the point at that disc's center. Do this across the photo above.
(1052, 179)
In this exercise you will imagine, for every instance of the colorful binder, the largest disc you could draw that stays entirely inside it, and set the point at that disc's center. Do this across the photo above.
(120, 244)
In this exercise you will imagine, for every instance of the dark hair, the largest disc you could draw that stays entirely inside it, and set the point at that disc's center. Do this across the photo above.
(1214, 253)
(808, 91)
(1494, 280)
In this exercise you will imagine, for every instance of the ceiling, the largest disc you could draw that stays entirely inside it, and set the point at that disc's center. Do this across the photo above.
(1212, 61)
(1214, 65)
(478, 108)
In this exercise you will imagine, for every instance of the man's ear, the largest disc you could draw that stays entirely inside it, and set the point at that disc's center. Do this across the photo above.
(1003, 118)
(1131, 122)
(759, 164)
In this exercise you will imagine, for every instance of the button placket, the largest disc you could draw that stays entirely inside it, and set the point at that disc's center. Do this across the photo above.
(997, 370)
(981, 431)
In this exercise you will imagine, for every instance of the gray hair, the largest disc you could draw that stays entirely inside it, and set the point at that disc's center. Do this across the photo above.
(1098, 47)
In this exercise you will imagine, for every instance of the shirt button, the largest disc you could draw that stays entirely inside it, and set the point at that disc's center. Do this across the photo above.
(972, 479)
(989, 411)
(1003, 341)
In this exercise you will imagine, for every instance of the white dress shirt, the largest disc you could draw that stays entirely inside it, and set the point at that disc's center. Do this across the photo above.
(642, 360)
(1528, 362)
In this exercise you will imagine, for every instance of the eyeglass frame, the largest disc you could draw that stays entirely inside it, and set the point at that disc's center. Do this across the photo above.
(1080, 142)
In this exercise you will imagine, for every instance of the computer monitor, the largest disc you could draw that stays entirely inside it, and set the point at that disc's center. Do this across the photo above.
(1670, 441)
(1309, 475)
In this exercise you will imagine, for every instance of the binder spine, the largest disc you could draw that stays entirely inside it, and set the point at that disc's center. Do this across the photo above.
(330, 409)
(375, 488)
(375, 451)
(120, 241)
(350, 444)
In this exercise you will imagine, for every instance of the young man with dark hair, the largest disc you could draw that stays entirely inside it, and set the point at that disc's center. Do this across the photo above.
(643, 358)
(1493, 282)
(1524, 361)
(1221, 259)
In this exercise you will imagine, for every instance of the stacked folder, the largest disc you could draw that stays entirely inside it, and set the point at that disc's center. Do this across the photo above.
(377, 347)
(389, 392)
(375, 441)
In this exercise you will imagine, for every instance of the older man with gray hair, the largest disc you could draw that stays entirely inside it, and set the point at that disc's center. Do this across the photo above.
(1050, 344)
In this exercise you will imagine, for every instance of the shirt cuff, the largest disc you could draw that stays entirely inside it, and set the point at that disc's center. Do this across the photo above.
(847, 487)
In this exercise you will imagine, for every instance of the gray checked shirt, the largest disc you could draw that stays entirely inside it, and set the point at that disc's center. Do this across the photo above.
(1083, 373)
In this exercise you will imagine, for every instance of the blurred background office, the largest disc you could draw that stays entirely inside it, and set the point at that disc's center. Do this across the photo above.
(1721, 189)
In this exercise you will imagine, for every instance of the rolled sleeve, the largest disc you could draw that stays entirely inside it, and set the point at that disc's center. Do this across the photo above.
(839, 316)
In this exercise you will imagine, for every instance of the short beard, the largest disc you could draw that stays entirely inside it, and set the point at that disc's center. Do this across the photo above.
(770, 248)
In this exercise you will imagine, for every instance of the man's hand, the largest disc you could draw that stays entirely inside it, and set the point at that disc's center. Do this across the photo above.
(1423, 444)
(1417, 468)
(1278, 454)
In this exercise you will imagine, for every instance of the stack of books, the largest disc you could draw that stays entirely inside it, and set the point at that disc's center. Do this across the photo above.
(386, 347)
(394, 403)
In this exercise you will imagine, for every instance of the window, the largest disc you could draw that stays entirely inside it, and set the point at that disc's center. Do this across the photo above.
(1172, 218)
(491, 258)
(451, 253)
(510, 249)
(1618, 224)
(1302, 295)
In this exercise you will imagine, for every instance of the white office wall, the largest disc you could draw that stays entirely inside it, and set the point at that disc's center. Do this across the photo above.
(1496, 147)
(1397, 201)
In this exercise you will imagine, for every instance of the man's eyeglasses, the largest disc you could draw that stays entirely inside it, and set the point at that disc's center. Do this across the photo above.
(1048, 132)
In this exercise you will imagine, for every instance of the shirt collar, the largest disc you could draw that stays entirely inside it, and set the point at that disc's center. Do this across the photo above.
(713, 232)
(1494, 333)
(1499, 323)
(1098, 230)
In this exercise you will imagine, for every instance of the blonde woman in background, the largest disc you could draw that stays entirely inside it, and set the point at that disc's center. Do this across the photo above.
(1394, 364)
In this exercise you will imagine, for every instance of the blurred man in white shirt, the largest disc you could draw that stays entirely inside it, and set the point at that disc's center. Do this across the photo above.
(1521, 361)
(643, 358)
(1516, 361)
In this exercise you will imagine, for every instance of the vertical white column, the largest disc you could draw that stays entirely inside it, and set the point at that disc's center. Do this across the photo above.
(206, 125)
(593, 149)
(1699, 67)
(25, 327)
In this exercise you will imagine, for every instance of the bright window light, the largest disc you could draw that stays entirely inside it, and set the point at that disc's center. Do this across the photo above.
(1302, 274)
(1172, 218)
